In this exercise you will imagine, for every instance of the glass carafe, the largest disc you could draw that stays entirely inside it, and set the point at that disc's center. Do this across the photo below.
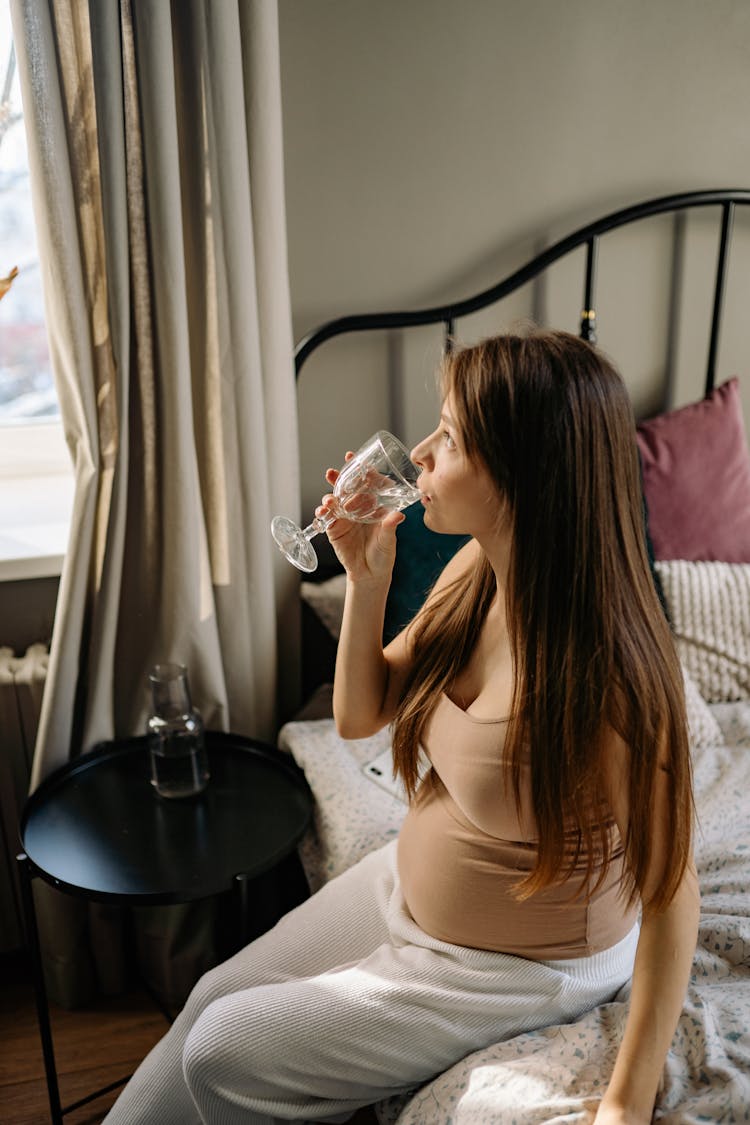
(179, 764)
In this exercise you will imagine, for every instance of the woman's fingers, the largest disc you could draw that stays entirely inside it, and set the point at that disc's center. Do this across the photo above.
(325, 503)
(391, 521)
(332, 475)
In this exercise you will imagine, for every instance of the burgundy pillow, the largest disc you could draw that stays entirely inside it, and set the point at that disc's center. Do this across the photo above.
(696, 479)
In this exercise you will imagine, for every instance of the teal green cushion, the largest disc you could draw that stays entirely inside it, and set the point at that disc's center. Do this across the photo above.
(421, 554)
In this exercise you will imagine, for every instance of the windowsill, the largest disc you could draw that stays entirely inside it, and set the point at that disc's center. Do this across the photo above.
(34, 525)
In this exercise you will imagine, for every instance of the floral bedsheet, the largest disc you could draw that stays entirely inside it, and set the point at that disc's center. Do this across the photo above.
(557, 1075)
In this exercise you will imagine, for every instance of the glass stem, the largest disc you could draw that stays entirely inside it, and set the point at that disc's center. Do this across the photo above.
(319, 524)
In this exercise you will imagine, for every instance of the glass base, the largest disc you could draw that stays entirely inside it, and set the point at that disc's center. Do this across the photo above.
(293, 544)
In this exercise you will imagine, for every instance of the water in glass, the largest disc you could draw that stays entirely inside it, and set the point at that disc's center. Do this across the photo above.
(379, 478)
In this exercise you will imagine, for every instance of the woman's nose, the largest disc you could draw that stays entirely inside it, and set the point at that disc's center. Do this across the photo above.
(418, 453)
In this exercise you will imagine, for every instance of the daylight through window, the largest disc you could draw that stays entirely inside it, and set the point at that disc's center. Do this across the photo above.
(36, 472)
(26, 385)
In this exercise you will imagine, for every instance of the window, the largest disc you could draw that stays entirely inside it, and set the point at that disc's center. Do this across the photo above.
(36, 482)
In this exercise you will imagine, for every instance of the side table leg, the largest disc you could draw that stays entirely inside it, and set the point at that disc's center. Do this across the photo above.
(40, 990)
(242, 895)
(261, 900)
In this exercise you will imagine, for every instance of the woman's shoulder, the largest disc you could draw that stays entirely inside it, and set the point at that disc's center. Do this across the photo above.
(464, 560)
(456, 569)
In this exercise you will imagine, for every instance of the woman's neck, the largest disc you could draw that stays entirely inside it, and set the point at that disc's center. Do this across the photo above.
(497, 549)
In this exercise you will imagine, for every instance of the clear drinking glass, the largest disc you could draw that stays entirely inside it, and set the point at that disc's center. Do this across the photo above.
(179, 764)
(379, 478)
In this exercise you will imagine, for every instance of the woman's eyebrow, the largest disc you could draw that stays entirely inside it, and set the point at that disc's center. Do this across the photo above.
(446, 418)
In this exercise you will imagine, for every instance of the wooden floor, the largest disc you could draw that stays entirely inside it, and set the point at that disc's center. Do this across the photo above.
(93, 1047)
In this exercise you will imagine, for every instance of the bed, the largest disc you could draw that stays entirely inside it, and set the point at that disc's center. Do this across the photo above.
(696, 474)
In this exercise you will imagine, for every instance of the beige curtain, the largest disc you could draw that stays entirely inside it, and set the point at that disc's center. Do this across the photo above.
(156, 159)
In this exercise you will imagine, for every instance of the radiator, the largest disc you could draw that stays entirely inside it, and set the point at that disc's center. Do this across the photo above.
(22, 681)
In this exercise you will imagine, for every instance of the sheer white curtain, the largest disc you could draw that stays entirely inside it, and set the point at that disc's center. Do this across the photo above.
(156, 155)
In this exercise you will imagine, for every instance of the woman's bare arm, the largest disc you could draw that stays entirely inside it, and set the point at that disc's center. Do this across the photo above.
(664, 956)
(369, 679)
(662, 969)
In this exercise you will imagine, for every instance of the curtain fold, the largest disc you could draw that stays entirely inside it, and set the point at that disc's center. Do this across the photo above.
(155, 146)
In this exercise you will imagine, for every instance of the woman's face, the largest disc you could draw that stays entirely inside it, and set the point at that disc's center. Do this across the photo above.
(458, 495)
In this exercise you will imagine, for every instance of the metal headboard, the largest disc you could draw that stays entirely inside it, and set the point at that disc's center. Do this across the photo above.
(587, 236)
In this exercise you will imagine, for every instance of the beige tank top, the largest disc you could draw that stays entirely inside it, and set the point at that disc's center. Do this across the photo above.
(463, 846)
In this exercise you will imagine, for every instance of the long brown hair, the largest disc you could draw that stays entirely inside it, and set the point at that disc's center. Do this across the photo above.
(550, 417)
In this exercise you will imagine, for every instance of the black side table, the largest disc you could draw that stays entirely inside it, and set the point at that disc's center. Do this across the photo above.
(96, 829)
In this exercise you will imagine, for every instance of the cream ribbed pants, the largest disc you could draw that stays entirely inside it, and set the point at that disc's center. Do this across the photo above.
(344, 1002)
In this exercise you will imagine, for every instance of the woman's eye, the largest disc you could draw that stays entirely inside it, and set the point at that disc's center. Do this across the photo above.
(448, 440)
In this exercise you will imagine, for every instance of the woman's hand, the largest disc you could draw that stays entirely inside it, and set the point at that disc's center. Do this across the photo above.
(601, 1114)
(365, 550)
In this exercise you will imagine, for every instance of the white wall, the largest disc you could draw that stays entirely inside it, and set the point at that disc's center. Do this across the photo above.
(433, 145)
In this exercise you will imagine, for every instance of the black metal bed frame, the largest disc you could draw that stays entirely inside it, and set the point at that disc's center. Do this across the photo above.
(588, 236)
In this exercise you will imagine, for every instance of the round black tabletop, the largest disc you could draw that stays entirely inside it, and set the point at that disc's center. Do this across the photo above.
(97, 828)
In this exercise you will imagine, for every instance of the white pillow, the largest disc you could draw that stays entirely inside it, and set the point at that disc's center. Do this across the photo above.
(703, 727)
(327, 601)
(709, 607)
